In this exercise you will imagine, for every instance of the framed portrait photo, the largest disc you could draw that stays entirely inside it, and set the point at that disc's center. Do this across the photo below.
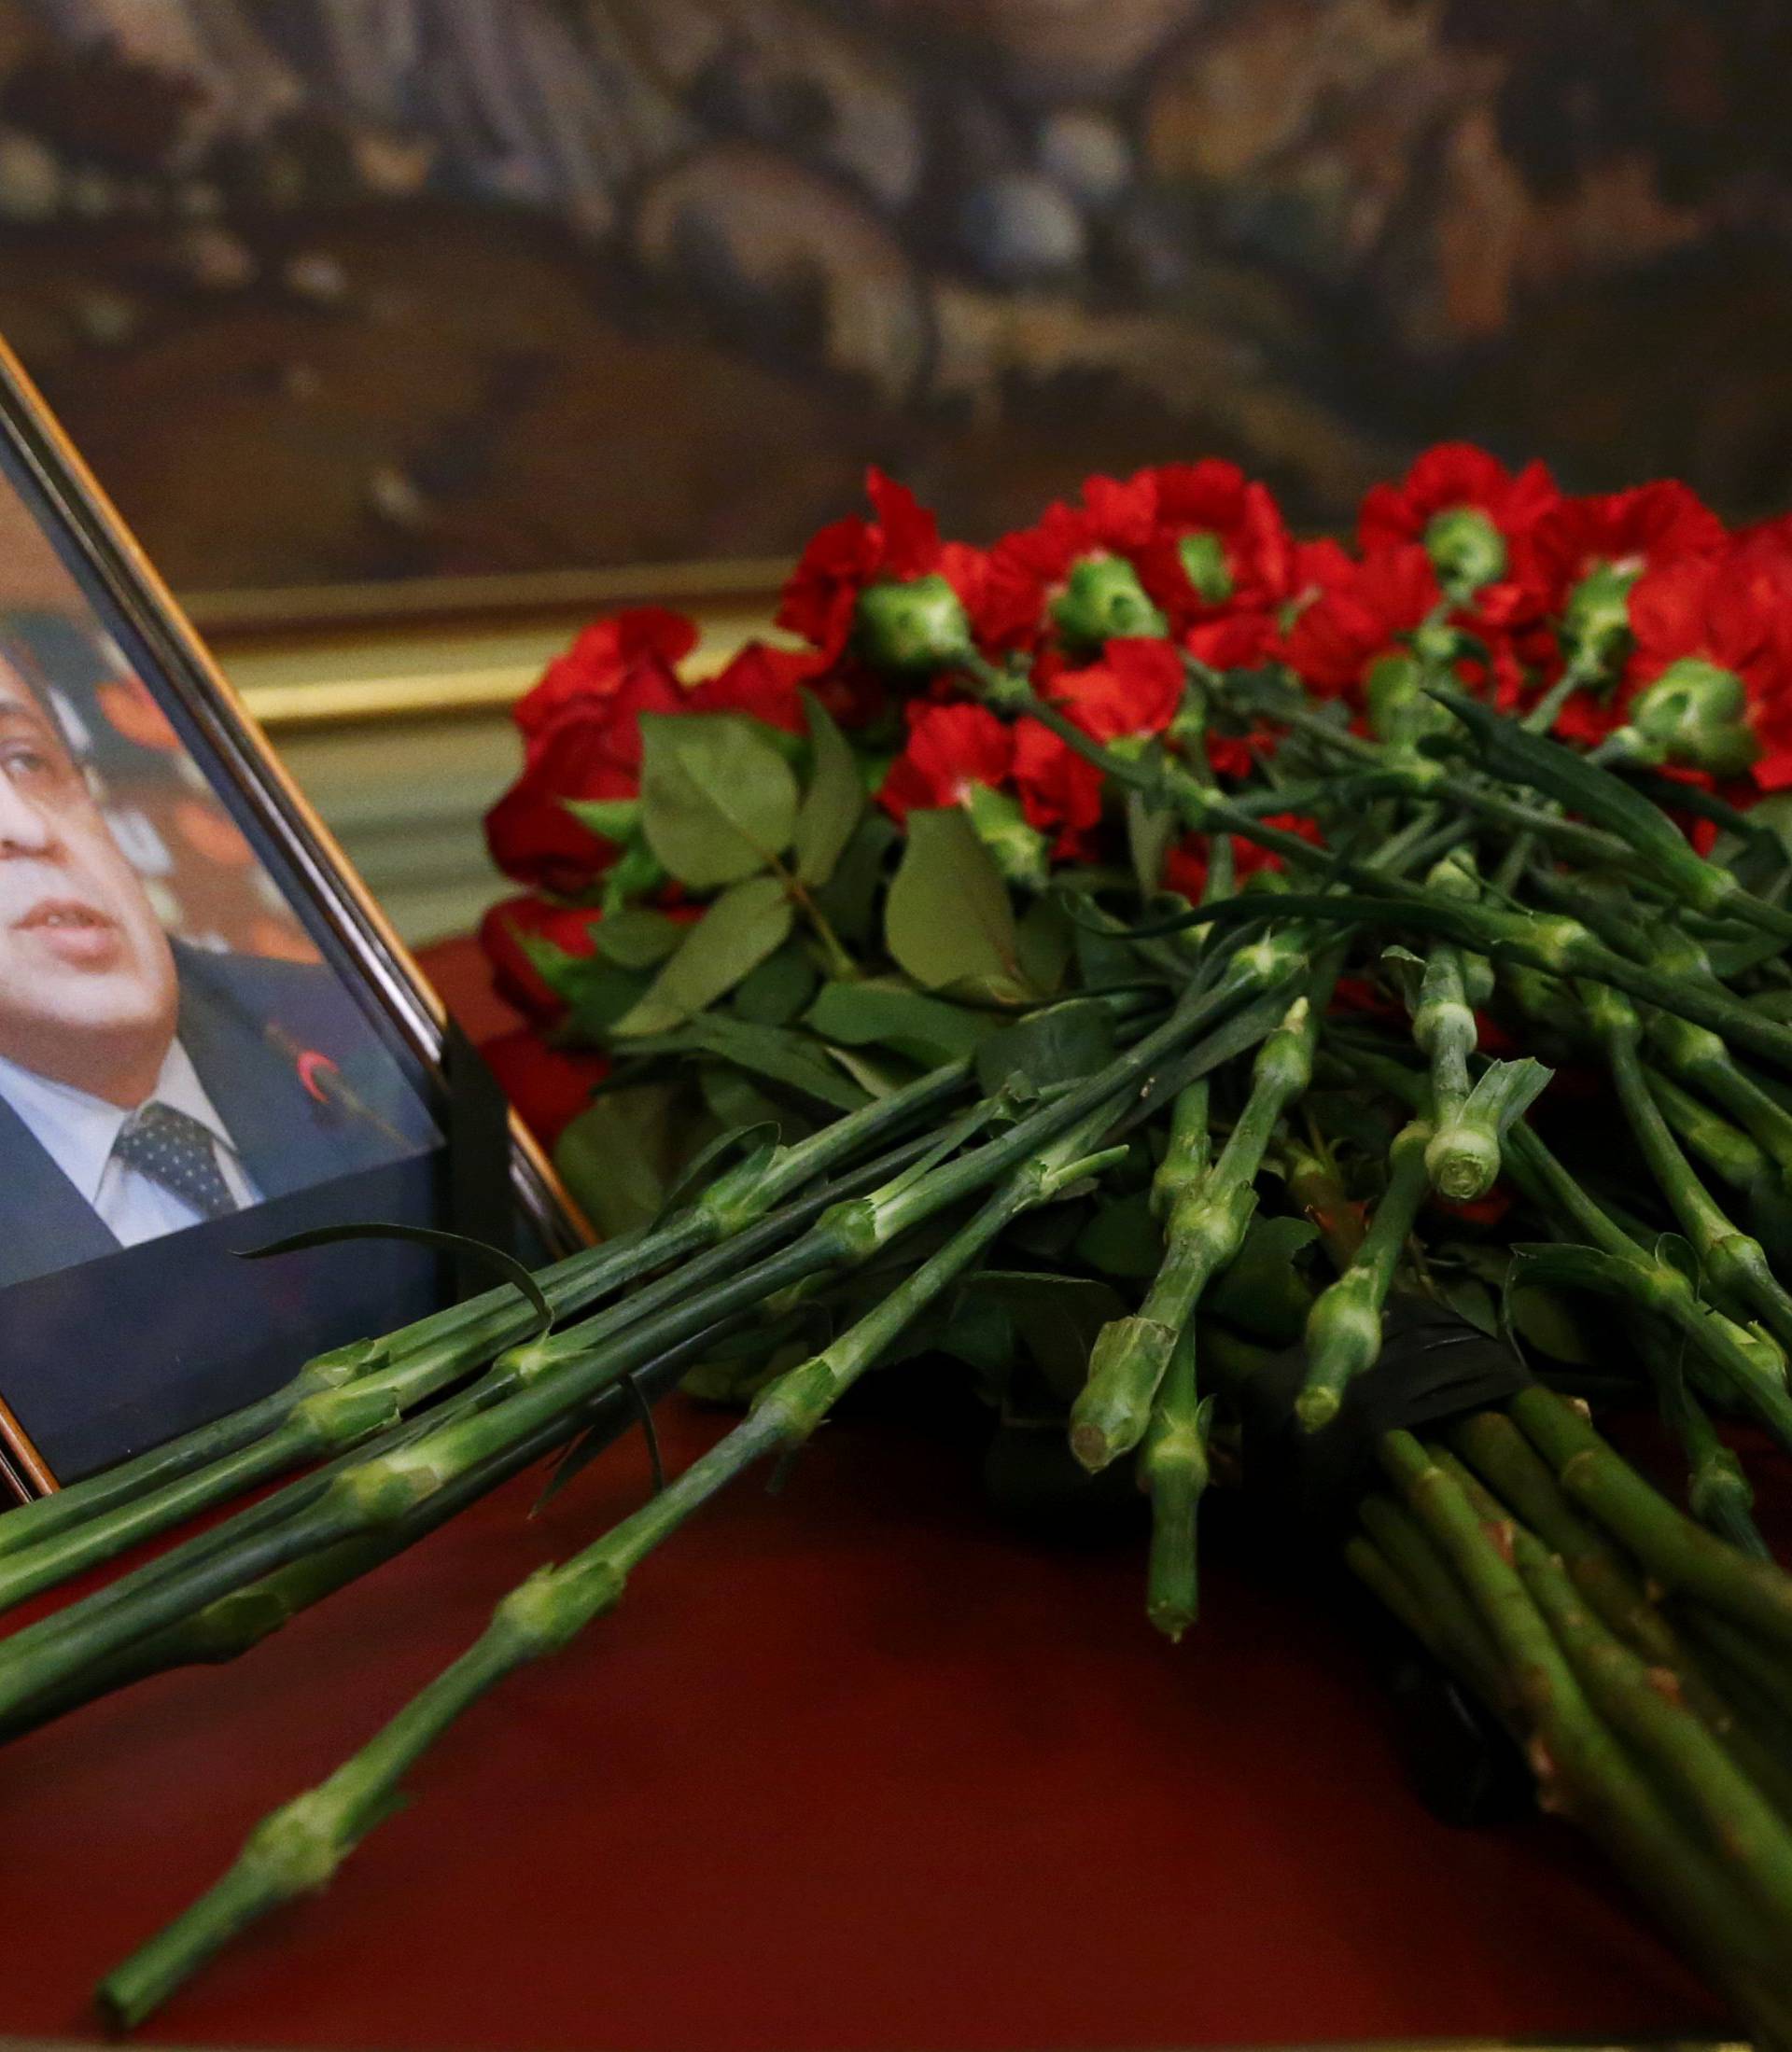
(209, 1039)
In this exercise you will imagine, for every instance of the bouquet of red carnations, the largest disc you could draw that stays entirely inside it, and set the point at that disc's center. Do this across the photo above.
(1240, 1003)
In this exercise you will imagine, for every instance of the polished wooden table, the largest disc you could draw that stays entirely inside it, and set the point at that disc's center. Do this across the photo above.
(856, 1768)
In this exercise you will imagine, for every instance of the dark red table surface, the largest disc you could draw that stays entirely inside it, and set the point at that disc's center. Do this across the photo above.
(852, 1767)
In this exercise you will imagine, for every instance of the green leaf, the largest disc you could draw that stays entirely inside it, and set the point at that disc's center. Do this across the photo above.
(615, 818)
(719, 801)
(778, 1053)
(1587, 789)
(888, 1014)
(1543, 1320)
(1150, 829)
(1123, 1238)
(619, 1156)
(1047, 943)
(637, 937)
(1057, 1319)
(1057, 1044)
(834, 802)
(876, 1079)
(848, 900)
(778, 989)
(947, 920)
(744, 924)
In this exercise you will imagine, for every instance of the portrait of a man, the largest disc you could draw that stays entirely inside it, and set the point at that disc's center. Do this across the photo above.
(148, 1084)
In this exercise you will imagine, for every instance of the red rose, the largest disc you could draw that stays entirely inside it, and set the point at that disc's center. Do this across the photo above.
(502, 934)
(601, 659)
(763, 683)
(550, 1086)
(591, 748)
(950, 747)
(1135, 689)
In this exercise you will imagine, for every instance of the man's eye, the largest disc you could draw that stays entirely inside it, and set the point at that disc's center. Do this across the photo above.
(22, 763)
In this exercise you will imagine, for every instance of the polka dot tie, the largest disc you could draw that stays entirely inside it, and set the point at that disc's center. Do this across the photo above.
(175, 1149)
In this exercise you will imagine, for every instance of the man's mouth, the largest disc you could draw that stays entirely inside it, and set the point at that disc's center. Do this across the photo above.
(77, 933)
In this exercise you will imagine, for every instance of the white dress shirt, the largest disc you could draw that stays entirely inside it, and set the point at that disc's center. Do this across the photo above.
(79, 1132)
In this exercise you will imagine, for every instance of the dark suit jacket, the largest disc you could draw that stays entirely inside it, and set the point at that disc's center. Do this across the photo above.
(245, 1021)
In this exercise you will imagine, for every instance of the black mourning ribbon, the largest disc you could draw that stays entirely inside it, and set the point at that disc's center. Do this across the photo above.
(1434, 1366)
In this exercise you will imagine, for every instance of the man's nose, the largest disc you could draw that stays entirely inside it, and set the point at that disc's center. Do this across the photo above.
(25, 828)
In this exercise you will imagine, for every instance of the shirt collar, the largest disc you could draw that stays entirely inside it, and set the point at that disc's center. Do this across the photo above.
(79, 1132)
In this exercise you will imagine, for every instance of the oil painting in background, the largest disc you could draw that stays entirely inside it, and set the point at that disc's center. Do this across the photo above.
(341, 292)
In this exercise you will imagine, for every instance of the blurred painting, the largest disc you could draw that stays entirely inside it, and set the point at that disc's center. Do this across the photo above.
(356, 291)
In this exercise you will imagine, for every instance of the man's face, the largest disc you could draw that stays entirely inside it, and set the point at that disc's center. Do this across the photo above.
(87, 991)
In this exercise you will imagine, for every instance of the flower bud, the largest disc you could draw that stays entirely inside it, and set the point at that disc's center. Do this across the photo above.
(1465, 549)
(1203, 559)
(1698, 713)
(1102, 598)
(1597, 616)
(1399, 710)
(917, 625)
(1017, 848)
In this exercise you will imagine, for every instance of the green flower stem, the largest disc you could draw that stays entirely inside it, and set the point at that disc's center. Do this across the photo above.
(1699, 1058)
(1557, 946)
(1395, 770)
(237, 1623)
(1737, 1264)
(1511, 1467)
(1174, 1469)
(369, 1496)
(1581, 1768)
(1583, 669)
(1344, 1327)
(336, 1399)
(1203, 1231)
(1597, 795)
(1737, 1824)
(1676, 1553)
(1717, 1491)
(1470, 1652)
(296, 1849)
(1730, 1153)
(726, 1212)
(1756, 1677)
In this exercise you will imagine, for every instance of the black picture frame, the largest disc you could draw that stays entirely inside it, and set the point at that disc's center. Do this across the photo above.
(92, 1332)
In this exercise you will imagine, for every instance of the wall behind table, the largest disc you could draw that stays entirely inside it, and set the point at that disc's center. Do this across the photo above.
(401, 737)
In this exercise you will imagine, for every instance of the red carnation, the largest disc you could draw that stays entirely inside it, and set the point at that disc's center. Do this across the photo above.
(601, 658)
(1135, 689)
(950, 747)
(841, 559)
(1631, 531)
(1229, 528)
(1733, 611)
(1060, 792)
(1185, 867)
(1361, 614)
(1027, 570)
(1451, 478)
